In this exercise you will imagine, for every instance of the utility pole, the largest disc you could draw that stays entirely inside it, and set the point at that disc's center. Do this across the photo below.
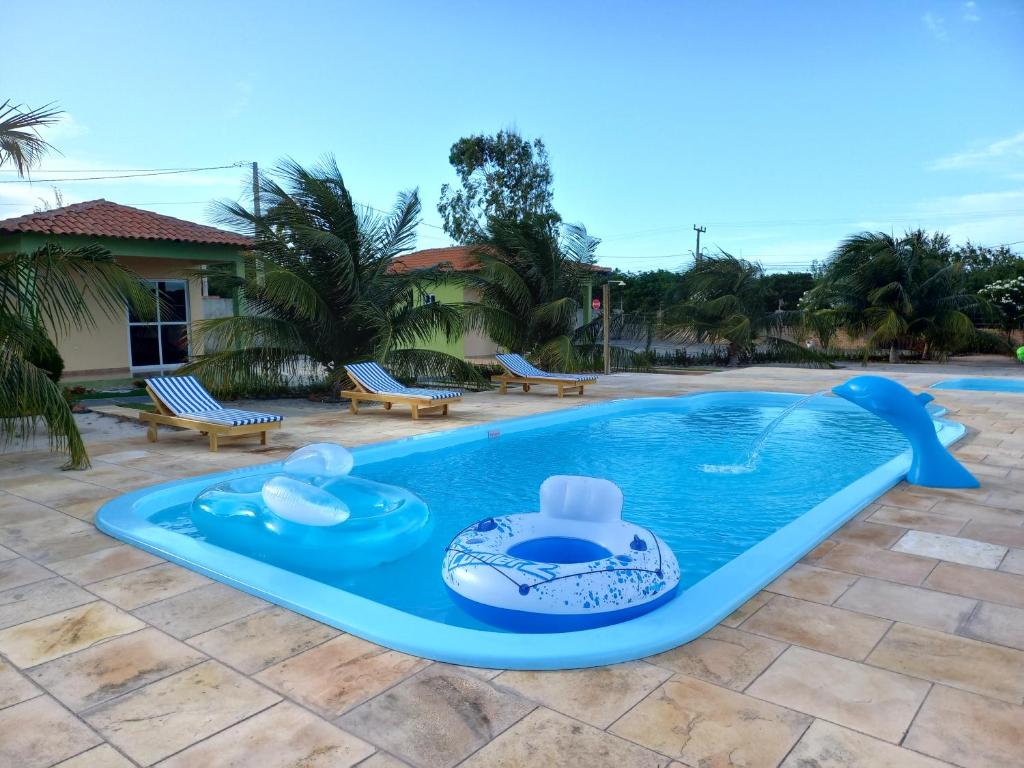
(256, 189)
(606, 312)
(696, 254)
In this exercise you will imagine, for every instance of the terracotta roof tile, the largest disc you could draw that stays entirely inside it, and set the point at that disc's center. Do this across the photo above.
(102, 218)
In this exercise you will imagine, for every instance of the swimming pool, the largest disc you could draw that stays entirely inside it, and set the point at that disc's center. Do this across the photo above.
(982, 385)
(732, 532)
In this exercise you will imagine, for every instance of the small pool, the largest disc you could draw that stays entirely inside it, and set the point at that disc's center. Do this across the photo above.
(731, 532)
(982, 385)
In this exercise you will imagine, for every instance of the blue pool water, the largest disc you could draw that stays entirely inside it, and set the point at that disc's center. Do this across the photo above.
(983, 385)
(731, 532)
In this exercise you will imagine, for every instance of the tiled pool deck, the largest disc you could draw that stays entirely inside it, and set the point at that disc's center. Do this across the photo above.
(898, 642)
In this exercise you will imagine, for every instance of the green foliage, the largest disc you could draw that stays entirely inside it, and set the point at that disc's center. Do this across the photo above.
(20, 142)
(1007, 299)
(785, 289)
(56, 289)
(647, 292)
(898, 293)
(502, 177)
(320, 291)
(728, 300)
(45, 356)
(984, 265)
(530, 284)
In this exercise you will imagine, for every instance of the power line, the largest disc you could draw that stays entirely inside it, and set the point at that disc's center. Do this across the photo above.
(124, 176)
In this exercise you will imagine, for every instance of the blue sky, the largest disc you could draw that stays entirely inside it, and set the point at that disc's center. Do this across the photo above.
(781, 126)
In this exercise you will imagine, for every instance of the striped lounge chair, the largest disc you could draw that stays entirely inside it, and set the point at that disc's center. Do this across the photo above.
(181, 401)
(519, 371)
(374, 384)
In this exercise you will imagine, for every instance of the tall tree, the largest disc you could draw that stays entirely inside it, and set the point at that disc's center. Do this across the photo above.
(503, 177)
(899, 292)
(729, 301)
(321, 290)
(20, 142)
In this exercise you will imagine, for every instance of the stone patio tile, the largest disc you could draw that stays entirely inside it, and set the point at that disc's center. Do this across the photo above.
(742, 613)
(983, 584)
(6, 554)
(873, 701)
(952, 549)
(546, 738)
(51, 637)
(1013, 562)
(979, 513)
(200, 609)
(39, 732)
(968, 730)
(103, 756)
(921, 521)
(436, 718)
(819, 551)
(54, 489)
(104, 564)
(339, 674)
(825, 745)
(121, 478)
(821, 627)
(38, 599)
(383, 760)
(723, 656)
(983, 668)
(284, 736)
(911, 605)
(996, 623)
(257, 641)
(880, 563)
(902, 497)
(139, 588)
(14, 509)
(13, 687)
(994, 533)
(164, 717)
(114, 667)
(19, 572)
(703, 724)
(598, 696)
(807, 582)
(86, 510)
(868, 534)
(49, 539)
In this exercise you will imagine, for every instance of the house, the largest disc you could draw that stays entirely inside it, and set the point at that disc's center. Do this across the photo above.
(162, 250)
(474, 344)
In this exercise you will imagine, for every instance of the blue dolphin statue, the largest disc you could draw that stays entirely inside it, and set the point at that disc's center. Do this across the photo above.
(932, 464)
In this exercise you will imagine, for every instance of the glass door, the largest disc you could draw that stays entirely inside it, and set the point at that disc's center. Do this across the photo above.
(161, 341)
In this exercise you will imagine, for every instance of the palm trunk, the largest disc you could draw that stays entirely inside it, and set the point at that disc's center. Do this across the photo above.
(894, 353)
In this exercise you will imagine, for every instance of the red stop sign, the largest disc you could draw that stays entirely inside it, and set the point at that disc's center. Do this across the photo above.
(595, 303)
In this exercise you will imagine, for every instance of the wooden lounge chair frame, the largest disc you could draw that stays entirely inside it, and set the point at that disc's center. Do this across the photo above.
(567, 384)
(418, 405)
(215, 431)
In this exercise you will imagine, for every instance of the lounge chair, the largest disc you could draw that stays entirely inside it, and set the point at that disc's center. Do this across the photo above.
(181, 401)
(519, 371)
(374, 384)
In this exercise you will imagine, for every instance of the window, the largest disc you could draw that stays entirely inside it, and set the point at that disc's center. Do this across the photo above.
(161, 340)
(429, 298)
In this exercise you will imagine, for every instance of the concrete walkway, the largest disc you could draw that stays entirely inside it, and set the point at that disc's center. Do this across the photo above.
(897, 642)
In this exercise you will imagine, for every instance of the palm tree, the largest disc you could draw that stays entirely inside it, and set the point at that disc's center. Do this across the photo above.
(20, 142)
(53, 290)
(899, 292)
(530, 283)
(723, 299)
(320, 290)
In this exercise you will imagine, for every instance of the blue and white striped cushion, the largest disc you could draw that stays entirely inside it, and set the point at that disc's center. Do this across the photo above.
(521, 367)
(183, 394)
(376, 379)
(231, 417)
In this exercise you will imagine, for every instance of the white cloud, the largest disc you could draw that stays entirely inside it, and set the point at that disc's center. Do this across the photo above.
(936, 25)
(1005, 154)
(970, 9)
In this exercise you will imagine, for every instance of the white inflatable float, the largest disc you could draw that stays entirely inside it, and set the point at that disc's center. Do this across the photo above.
(574, 565)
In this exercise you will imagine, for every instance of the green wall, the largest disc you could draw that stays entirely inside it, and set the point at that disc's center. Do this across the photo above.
(446, 294)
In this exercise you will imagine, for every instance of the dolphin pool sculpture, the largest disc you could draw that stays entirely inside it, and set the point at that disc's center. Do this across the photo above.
(932, 465)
